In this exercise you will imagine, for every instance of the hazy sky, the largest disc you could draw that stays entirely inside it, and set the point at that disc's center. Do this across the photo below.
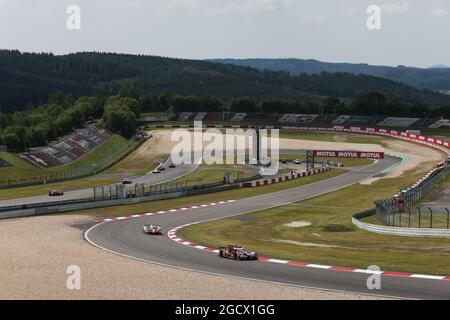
(414, 32)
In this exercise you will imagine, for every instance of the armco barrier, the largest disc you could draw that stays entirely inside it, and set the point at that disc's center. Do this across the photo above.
(106, 203)
(74, 205)
(397, 231)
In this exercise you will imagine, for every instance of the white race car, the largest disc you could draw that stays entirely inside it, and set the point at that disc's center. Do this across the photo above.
(152, 229)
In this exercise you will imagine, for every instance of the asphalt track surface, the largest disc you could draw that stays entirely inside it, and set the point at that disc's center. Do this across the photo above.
(125, 237)
(149, 178)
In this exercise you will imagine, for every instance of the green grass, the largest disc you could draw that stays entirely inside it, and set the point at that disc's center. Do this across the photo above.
(211, 175)
(336, 240)
(436, 188)
(21, 168)
(18, 166)
(436, 132)
(106, 177)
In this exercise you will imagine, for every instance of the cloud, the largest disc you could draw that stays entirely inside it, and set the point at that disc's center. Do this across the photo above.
(249, 7)
(438, 13)
(179, 4)
(395, 9)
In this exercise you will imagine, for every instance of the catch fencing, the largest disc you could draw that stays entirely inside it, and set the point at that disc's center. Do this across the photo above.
(401, 212)
(146, 190)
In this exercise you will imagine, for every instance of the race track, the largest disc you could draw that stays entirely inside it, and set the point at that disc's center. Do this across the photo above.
(125, 237)
(149, 178)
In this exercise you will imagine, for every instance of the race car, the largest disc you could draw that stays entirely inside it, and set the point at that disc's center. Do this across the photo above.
(152, 229)
(55, 193)
(172, 166)
(237, 253)
(127, 181)
(156, 171)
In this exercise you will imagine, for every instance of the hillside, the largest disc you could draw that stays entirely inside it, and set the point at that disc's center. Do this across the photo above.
(27, 77)
(434, 78)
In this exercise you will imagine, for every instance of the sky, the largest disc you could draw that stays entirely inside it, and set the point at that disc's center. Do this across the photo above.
(413, 32)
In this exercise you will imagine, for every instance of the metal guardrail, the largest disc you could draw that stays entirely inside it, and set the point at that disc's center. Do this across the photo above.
(397, 231)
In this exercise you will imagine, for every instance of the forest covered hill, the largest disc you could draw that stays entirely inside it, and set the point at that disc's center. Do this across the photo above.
(29, 78)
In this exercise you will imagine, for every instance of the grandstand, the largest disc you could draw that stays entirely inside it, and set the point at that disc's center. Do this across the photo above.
(238, 117)
(68, 148)
(397, 122)
(192, 116)
(354, 120)
(341, 120)
(442, 123)
(298, 118)
(316, 120)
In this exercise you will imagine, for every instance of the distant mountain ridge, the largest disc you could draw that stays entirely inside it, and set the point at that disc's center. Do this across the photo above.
(439, 66)
(434, 78)
(29, 78)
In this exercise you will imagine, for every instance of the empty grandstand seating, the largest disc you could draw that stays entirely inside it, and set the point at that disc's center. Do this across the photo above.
(398, 122)
(354, 120)
(238, 117)
(298, 118)
(185, 116)
(192, 116)
(68, 148)
(341, 120)
(200, 116)
(443, 123)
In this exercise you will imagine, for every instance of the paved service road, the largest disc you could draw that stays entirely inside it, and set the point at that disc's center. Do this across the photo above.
(125, 237)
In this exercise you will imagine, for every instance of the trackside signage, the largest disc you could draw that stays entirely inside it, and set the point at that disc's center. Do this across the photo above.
(348, 154)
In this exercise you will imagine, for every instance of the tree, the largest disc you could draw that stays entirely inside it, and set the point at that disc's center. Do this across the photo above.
(243, 105)
(119, 118)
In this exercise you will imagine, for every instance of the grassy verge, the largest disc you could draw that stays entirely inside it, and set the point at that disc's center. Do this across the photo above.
(20, 167)
(430, 196)
(331, 238)
(225, 195)
(107, 177)
(206, 175)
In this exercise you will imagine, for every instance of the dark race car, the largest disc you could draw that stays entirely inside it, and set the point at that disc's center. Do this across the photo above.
(237, 253)
(151, 229)
(55, 193)
(127, 181)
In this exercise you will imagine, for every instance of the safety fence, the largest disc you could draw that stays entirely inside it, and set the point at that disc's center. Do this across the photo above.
(400, 217)
(419, 217)
(177, 186)
(400, 211)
